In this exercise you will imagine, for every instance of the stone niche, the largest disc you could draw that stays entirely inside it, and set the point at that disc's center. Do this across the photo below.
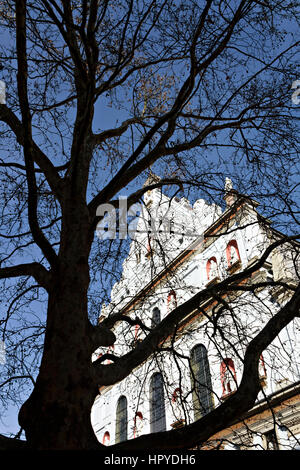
(283, 264)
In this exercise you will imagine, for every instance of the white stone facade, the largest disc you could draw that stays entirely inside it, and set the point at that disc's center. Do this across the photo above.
(198, 247)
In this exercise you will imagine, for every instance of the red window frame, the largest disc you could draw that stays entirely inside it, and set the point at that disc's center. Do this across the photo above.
(177, 392)
(106, 438)
(171, 294)
(227, 364)
(208, 266)
(228, 248)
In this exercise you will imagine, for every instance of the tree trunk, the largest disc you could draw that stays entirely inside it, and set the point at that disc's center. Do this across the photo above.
(57, 414)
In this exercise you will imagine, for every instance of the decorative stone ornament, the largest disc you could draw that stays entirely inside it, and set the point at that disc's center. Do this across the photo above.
(2, 92)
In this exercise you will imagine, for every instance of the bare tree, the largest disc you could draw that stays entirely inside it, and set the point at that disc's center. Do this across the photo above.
(98, 92)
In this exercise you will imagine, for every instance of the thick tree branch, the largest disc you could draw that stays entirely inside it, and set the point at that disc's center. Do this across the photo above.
(116, 132)
(128, 172)
(242, 400)
(36, 270)
(107, 375)
(23, 168)
(46, 166)
(9, 443)
(69, 36)
(100, 336)
(37, 233)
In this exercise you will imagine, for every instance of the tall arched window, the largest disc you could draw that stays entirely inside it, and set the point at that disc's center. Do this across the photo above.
(232, 253)
(121, 420)
(156, 318)
(201, 381)
(157, 404)
(171, 301)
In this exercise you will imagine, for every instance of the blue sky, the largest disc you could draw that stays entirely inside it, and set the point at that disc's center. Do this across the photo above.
(106, 117)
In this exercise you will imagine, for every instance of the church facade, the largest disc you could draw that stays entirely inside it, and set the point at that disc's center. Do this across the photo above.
(179, 250)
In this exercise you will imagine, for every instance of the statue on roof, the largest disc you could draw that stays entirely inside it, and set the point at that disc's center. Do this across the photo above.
(228, 184)
(151, 179)
(2, 92)
(231, 194)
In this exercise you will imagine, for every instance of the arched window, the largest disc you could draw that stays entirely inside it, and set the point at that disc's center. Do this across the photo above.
(121, 420)
(156, 318)
(176, 395)
(228, 376)
(171, 301)
(138, 424)
(201, 381)
(106, 438)
(157, 404)
(211, 269)
(232, 253)
(136, 332)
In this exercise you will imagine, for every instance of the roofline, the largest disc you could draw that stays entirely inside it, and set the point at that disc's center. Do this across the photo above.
(188, 251)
